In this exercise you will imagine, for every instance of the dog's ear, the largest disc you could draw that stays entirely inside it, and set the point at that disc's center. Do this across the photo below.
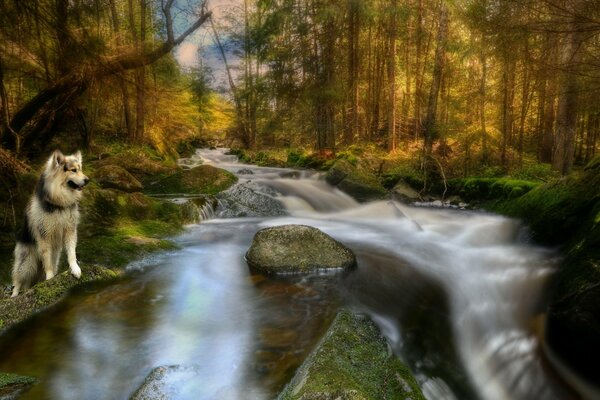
(77, 155)
(56, 159)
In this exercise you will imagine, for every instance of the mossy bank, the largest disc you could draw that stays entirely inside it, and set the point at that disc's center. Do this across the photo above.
(566, 213)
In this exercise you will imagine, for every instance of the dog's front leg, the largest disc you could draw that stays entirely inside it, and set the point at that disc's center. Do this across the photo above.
(70, 245)
(45, 250)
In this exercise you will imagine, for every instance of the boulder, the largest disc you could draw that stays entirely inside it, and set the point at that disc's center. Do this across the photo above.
(204, 179)
(290, 249)
(355, 181)
(249, 200)
(352, 361)
(405, 193)
(168, 382)
(115, 177)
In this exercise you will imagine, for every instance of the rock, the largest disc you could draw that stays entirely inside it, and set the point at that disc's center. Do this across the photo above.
(352, 361)
(46, 293)
(115, 177)
(249, 200)
(204, 179)
(245, 171)
(12, 386)
(405, 193)
(168, 382)
(357, 182)
(297, 249)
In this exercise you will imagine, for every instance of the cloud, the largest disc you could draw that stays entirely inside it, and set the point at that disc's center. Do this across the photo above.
(187, 54)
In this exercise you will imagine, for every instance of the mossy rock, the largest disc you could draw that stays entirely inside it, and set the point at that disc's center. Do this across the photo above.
(204, 179)
(116, 177)
(482, 189)
(355, 181)
(143, 164)
(293, 249)
(169, 382)
(12, 385)
(353, 361)
(46, 293)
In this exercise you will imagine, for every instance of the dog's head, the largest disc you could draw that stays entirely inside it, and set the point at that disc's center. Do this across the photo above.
(64, 177)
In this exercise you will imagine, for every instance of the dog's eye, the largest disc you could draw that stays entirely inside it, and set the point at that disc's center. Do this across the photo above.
(73, 169)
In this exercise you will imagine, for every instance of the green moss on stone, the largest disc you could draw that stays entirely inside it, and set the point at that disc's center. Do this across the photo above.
(353, 361)
(204, 179)
(46, 293)
(11, 384)
(355, 181)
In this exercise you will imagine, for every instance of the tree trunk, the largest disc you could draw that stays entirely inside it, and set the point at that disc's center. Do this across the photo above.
(429, 126)
(566, 115)
(121, 79)
(391, 70)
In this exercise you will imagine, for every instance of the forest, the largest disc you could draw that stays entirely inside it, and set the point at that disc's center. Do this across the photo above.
(451, 146)
(483, 85)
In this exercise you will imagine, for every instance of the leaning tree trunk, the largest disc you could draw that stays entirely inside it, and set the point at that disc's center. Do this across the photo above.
(71, 85)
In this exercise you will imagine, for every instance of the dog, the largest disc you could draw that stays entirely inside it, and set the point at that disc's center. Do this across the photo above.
(50, 223)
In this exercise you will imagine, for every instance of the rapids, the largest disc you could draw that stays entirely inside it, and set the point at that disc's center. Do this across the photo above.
(460, 296)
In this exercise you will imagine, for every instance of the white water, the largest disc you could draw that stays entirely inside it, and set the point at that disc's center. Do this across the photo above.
(494, 280)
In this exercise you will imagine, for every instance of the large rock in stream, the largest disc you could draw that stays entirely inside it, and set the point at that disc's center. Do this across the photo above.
(290, 249)
(352, 362)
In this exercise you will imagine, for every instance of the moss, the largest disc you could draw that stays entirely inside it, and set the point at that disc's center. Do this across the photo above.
(480, 189)
(356, 181)
(46, 293)
(12, 384)
(204, 179)
(353, 361)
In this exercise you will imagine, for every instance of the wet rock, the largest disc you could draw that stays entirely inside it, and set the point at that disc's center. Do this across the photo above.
(116, 177)
(46, 293)
(405, 193)
(245, 171)
(297, 249)
(168, 382)
(204, 179)
(352, 361)
(356, 182)
(12, 386)
(249, 200)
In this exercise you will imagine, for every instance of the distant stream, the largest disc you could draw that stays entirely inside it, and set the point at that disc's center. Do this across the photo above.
(459, 295)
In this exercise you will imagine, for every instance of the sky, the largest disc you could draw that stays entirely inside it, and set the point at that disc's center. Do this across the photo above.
(187, 53)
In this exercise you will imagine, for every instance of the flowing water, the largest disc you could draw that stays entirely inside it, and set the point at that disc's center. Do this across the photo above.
(458, 294)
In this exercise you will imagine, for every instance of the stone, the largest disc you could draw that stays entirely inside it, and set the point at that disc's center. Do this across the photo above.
(290, 249)
(249, 200)
(352, 362)
(168, 382)
(357, 182)
(116, 177)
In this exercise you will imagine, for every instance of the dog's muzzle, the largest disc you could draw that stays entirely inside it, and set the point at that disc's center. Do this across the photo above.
(76, 186)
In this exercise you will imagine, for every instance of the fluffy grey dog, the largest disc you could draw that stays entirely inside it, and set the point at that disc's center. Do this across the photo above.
(50, 224)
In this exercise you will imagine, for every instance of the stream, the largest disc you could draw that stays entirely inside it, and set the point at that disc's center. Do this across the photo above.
(459, 295)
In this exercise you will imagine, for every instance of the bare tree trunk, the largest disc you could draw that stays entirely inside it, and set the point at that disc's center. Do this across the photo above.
(429, 126)
(121, 78)
(140, 79)
(482, 103)
(391, 69)
(566, 115)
